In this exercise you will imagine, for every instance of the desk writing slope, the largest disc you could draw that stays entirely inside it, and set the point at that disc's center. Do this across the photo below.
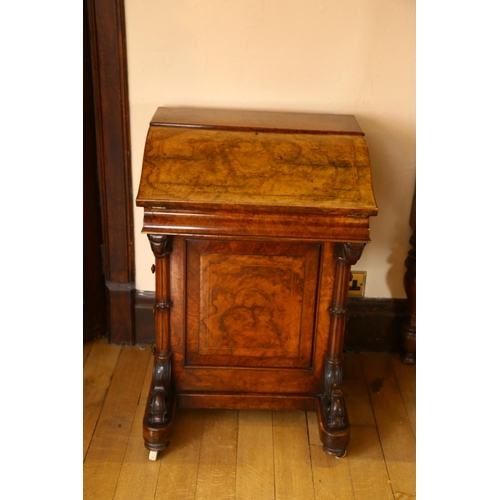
(285, 171)
(255, 219)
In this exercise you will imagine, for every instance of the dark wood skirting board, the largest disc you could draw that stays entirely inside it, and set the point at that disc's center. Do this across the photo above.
(372, 326)
(144, 317)
(121, 312)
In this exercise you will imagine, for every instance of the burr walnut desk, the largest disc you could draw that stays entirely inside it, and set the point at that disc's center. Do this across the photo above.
(254, 219)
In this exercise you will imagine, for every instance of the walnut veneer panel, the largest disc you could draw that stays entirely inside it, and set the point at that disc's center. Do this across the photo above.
(198, 168)
(247, 375)
(252, 303)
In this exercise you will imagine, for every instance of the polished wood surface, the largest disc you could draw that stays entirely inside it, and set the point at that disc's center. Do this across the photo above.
(212, 169)
(256, 303)
(254, 230)
(380, 463)
(299, 371)
(112, 128)
(295, 226)
(256, 121)
(409, 325)
(94, 290)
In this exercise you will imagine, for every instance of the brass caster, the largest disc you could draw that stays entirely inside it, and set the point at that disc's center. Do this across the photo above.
(153, 455)
(341, 456)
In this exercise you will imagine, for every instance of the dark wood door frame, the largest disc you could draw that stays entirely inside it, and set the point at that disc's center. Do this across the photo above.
(94, 287)
(110, 84)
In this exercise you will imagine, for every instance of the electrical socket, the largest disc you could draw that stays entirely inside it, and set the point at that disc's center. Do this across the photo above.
(357, 284)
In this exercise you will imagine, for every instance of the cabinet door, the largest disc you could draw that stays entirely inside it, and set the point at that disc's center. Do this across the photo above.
(251, 304)
(250, 319)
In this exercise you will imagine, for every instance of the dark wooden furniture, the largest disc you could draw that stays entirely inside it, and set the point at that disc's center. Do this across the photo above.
(254, 219)
(409, 325)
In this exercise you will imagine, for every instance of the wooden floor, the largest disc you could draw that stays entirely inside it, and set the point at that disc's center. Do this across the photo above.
(255, 455)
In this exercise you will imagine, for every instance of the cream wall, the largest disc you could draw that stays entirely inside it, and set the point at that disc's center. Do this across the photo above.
(327, 56)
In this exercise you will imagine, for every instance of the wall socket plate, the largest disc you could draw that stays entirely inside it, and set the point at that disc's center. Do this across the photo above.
(357, 284)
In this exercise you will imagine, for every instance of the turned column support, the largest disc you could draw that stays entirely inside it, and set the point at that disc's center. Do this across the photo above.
(161, 400)
(409, 325)
(332, 414)
(408, 330)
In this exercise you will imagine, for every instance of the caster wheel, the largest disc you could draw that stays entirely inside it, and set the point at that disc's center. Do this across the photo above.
(338, 453)
(153, 455)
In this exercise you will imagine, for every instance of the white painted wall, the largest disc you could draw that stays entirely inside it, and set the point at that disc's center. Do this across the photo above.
(327, 56)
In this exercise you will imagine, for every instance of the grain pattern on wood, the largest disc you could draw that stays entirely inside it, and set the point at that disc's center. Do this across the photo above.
(255, 121)
(358, 403)
(396, 434)
(208, 338)
(292, 463)
(97, 374)
(300, 172)
(110, 88)
(312, 428)
(179, 462)
(366, 463)
(147, 382)
(251, 306)
(255, 458)
(245, 401)
(256, 303)
(406, 377)
(332, 477)
(137, 465)
(107, 450)
(86, 350)
(296, 225)
(217, 468)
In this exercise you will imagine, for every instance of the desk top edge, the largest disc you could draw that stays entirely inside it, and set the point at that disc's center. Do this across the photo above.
(256, 121)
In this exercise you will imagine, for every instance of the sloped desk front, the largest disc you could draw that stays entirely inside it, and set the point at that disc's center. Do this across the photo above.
(254, 219)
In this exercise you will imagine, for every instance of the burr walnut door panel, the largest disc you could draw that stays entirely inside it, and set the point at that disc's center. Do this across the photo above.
(250, 316)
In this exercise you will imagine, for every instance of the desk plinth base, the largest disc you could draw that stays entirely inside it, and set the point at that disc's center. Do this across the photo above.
(219, 319)
(334, 442)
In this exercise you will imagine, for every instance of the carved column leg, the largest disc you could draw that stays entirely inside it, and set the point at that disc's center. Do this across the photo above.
(333, 422)
(160, 407)
(409, 325)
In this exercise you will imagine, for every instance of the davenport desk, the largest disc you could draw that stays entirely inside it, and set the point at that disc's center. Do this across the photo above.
(254, 219)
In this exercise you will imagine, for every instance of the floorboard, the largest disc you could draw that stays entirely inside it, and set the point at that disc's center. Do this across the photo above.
(247, 454)
(97, 374)
(217, 468)
(106, 452)
(393, 424)
(180, 461)
(86, 350)
(292, 460)
(406, 376)
(255, 457)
